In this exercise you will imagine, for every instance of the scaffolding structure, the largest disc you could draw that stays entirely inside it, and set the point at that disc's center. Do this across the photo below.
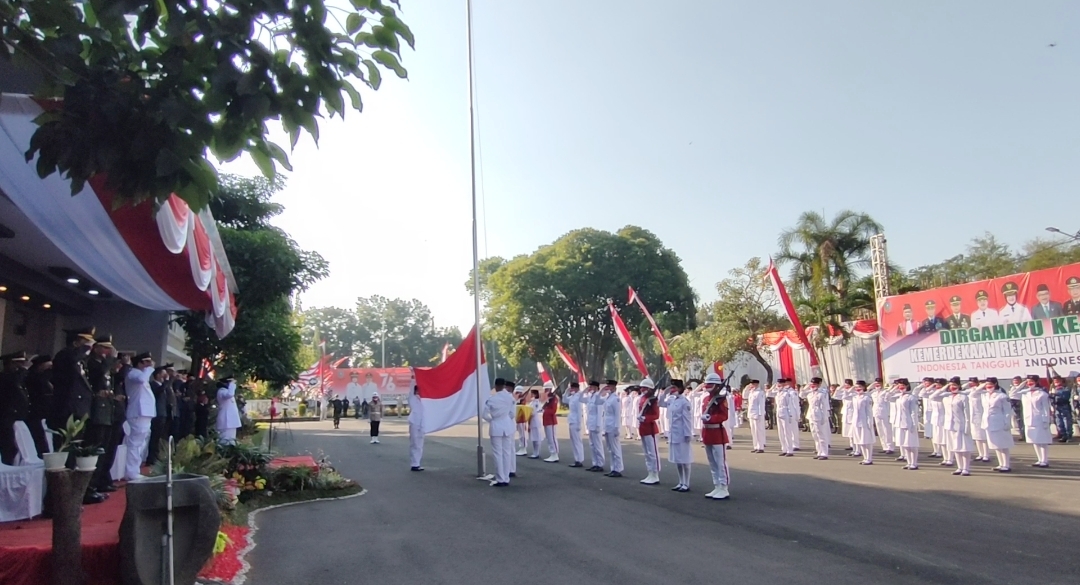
(879, 264)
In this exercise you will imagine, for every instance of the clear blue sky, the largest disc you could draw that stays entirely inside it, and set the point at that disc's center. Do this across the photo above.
(713, 125)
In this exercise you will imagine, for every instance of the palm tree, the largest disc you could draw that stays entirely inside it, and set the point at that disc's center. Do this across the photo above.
(825, 257)
(828, 312)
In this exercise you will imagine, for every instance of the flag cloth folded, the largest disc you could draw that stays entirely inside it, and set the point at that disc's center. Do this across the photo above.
(628, 344)
(569, 361)
(789, 308)
(449, 391)
(545, 377)
(655, 328)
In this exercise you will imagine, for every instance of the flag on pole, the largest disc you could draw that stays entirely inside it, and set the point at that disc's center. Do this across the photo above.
(774, 276)
(545, 377)
(449, 390)
(569, 361)
(628, 344)
(655, 329)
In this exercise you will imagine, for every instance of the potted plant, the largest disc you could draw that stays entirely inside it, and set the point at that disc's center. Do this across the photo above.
(86, 455)
(58, 458)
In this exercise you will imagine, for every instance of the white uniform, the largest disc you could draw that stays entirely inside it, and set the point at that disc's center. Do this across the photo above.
(1014, 313)
(612, 417)
(141, 409)
(934, 414)
(955, 424)
(1037, 419)
(883, 418)
(629, 414)
(416, 430)
(594, 407)
(499, 411)
(754, 403)
(977, 404)
(995, 421)
(862, 424)
(984, 318)
(536, 427)
(817, 414)
(681, 428)
(573, 422)
(905, 415)
(787, 418)
(228, 415)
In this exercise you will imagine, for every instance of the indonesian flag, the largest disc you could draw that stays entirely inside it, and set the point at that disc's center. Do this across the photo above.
(655, 329)
(789, 308)
(545, 377)
(569, 361)
(451, 390)
(627, 343)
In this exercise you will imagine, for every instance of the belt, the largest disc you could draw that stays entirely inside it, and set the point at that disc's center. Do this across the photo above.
(712, 426)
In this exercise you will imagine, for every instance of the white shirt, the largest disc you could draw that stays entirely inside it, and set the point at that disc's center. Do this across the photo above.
(353, 391)
(416, 410)
(228, 416)
(984, 318)
(612, 413)
(679, 409)
(1014, 313)
(595, 409)
(755, 402)
(140, 398)
(573, 402)
(882, 406)
(499, 411)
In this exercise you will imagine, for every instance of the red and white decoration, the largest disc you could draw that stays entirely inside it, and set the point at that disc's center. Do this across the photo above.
(569, 361)
(789, 308)
(168, 259)
(450, 391)
(655, 328)
(445, 352)
(545, 377)
(865, 329)
(627, 342)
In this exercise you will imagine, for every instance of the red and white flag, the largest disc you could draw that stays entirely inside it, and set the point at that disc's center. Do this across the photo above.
(569, 361)
(628, 344)
(655, 329)
(774, 276)
(450, 391)
(545, 377)
(445, 352)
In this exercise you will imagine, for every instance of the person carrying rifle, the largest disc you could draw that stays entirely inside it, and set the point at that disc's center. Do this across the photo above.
(715, 436)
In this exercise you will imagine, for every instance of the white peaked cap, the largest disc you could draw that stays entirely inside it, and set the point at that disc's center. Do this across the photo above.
(549, 385)
(713, 378)
(647, 383)
(519, 390)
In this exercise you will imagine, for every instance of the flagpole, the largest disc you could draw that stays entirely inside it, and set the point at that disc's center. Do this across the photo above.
(480, 470)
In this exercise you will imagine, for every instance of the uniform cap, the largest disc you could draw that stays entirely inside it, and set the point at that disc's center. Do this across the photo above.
(611, 382)
(846, 381)
(141, 357)
(519, 390)
(1042, 288)
(907, 307)
(647, 383)
(955, 299)
(500, 382)
(930, 303)
(594, 383)
(954, 380)
(104, 341)
(981, 296)
(41, 359)
(861, 383)
(1009, 288)
(1034, 377)
(1072, 282)
(575, 385)
(86, 333)
(713, 378)
(815, 380)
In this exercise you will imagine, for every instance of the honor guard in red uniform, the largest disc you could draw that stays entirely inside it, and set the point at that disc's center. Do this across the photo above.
(648, 412)
(550, 419)
(715, 436)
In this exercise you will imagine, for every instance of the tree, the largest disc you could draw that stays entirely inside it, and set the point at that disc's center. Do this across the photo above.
(828, 312)
(338, 327)
(1039, 254)
(269, 267)
(825, 257)
(559, 295)
(746, 309)
(148, 87)
(984, 258)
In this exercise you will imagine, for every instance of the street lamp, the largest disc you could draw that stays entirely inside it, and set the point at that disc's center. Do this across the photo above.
(1075, 236)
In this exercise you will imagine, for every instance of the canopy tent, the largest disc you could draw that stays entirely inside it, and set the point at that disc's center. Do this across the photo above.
(166, 258)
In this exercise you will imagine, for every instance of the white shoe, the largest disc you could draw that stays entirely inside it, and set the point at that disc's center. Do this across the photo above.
(374, 440)
(720, 493)
(652, 479)
(712, 493)
(552, 459)
(521, 452)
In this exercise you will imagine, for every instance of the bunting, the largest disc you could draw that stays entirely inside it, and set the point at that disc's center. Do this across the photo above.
(628, 344)
(545, 377)
(655, 329)
(789, 308)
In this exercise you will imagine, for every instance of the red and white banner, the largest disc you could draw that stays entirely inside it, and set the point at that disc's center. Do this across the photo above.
(451, 390)
(628, 344)
(569, 361)
(545, 377)
(793, 316)
(655, 328)
(163, 259)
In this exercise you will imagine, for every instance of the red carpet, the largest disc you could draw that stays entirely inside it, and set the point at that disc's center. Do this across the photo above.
(294, 461)
(26, 546)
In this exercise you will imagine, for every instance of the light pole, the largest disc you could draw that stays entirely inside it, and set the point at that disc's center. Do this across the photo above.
(1075, 237)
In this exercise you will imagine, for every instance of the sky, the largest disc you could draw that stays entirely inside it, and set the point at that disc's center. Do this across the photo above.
(713, 124)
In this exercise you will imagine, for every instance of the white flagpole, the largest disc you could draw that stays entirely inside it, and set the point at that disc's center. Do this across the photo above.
(480, 470)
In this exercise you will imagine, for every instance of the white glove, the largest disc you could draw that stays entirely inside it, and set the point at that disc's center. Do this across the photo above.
(641, 419)
(705, 417)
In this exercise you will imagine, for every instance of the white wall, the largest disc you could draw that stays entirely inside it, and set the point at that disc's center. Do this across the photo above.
(856, 359)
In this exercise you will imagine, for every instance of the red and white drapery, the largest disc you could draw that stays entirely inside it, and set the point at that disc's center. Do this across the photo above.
(168, 259)
(864, 329)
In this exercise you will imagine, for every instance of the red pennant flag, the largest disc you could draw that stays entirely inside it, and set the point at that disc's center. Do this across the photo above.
(789, 308)
(628, 344)
(445, 351)
(569, 361)
(655, 329)
(545, 377)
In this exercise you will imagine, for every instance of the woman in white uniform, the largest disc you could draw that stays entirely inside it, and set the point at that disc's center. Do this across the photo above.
(906, 422)
(1037, 417)
(536, 424)
(997, 414)
(861, 420)
(977, 404)
(956, 425)
(678, 407)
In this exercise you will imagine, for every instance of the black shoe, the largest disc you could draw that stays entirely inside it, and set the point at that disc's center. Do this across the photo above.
(614, 474)
(796, 449)
(849, 449)
(901, 458)
(576, 464)
(500, 484)
(683, 489)
(782, 454)
(677, 488)
(93, 498)
(107, 489)
(789, 454)
(817, 456)
(417, 468)
(534, 457)
(513, 474)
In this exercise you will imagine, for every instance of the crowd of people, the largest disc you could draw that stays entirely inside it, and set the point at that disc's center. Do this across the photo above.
(964, 422)
(124, 399)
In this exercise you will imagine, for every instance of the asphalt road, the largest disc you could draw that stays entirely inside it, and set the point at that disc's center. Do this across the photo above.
(789, 521)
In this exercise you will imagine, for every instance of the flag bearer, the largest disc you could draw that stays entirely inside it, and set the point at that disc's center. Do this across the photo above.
(648, 412)
(499, 412)
(715, 435)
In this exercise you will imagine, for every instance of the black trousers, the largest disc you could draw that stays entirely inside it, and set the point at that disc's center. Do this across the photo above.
(38, 432)
(375, 428)
(8, 448)
(102, 436)
(157, 433)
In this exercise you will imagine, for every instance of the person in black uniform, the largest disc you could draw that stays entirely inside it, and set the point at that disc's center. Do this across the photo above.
(99, 429)
(202, 408)
(71, 391)
(14, 404)
(957, 319)
(1072, 306)
(157, 424)
(39, 390)
(932, 322)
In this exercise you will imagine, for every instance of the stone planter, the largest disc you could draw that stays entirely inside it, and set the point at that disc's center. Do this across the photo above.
(196, 521)
(55, 461)
(86, 463)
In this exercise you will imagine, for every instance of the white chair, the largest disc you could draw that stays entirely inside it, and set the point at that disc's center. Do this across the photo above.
(27, 450)
(117, 471)
(22, 487)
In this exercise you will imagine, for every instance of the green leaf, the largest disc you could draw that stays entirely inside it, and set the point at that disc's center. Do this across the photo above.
(353, 23)
(354, 95)
(374, 79)
(263, 161)
(395, 24)
(389, 61)
(279, 155)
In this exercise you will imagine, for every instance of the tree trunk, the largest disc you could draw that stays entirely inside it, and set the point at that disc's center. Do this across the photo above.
(66, 489)
(768, 368)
